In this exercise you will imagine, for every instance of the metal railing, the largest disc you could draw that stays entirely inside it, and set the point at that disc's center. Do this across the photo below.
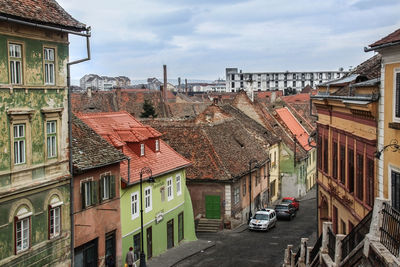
(314, 252)
(390, 230)
(356, 235)
(331, 244)
(296, 258)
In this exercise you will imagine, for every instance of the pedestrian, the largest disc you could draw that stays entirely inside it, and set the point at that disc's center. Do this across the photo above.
(130, 258)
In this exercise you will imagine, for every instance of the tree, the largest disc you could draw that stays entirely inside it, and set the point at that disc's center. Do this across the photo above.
(148, 110)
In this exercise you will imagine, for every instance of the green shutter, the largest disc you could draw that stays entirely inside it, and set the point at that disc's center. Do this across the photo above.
(101, 188)
(95, 189)
(112, 186)
(83, 195)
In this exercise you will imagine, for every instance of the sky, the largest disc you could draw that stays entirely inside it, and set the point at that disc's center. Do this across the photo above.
(198, 39)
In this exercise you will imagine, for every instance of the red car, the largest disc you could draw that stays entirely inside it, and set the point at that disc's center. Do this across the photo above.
(292, 201)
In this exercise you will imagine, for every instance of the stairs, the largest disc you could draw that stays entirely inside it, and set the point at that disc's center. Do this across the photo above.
(209, 225)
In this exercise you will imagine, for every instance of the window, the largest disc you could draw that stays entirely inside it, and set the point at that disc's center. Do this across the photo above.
(22, 234)
(294, 83)
(180, 227)
(19, 143)
(141, 149)
(335, 160)
(162, 193)
(370, 182)
(350, 155)
(51, 130)
(15, 56)
(157, 145)
(272, 188)
(110, 245)
(343, 224)
(342, 164)
(136, 246)
(49, 65)
(360, 176)
(107, 186)
(319, 149)
(89, 191)
(244, 187)
(233, 84)
(396, 190)
(170, 189)
(236, 195)
(135, 205)
(148, 206)
(326, 149)
(55, 222)
(397, 96)
(178, 185)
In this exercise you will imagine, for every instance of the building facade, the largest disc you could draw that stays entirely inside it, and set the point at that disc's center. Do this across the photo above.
(237, 80)
(167, 208)
(103, 83)
(34, 172)
(347, 138)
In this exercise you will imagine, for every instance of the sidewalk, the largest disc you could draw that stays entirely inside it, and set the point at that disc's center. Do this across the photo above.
(179, 253)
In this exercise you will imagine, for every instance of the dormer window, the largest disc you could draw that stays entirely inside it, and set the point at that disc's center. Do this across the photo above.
(157, 145)
(141, 149)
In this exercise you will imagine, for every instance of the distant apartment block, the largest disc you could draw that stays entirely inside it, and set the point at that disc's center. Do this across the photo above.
(216, 86)
(237, 80)
(103, 83)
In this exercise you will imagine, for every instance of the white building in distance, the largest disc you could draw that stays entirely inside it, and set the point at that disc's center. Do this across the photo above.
(269, 81)
(103, 83)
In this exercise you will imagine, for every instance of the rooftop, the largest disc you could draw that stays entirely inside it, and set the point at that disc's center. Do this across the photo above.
(391, 38)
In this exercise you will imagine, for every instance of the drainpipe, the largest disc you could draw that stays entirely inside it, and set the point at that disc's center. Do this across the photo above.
(88, 34)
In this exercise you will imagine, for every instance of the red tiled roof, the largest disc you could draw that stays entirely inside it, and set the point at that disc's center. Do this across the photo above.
(393, 37)
(295, 127)
(41, 11)
(296, 98)
(119, 129)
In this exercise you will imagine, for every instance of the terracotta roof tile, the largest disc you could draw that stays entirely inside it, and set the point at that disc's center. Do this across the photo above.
(393, 37)
(47, 12)
(112, 125)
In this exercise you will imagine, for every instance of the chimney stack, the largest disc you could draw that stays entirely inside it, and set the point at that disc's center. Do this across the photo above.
(179, 84)
(186, 87)
(164, 93)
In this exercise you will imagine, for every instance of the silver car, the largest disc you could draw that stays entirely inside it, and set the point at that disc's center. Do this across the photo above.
(263, 220)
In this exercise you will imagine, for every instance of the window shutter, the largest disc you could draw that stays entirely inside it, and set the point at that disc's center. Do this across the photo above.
(83, 195)
(112, 186)
(101, 188)
(48, 221)
(95, 189)
(397, 97)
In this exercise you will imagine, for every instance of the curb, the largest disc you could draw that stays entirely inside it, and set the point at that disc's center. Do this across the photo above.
(194, 253)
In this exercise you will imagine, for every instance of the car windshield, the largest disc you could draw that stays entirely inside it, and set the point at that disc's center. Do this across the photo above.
(287, 201)
(261, 217)
(281, 207)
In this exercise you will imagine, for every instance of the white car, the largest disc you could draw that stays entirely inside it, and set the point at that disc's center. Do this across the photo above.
(263, 220)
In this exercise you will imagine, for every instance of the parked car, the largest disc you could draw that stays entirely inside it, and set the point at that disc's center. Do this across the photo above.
(263, 220)
(285, 211)
(292, 201)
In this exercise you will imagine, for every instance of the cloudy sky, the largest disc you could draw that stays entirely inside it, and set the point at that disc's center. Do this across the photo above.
(198, 39)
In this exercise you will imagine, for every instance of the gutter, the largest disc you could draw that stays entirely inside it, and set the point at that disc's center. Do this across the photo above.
(359, 98)
(366, 49)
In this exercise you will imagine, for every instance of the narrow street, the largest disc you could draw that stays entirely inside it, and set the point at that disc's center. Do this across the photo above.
(248, 248)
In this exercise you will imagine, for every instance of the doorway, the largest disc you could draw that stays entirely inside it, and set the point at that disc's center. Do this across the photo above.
(149, 238)
(170, 234)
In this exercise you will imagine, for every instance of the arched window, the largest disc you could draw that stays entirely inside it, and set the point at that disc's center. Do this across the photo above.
(54, 223)
(22, 229)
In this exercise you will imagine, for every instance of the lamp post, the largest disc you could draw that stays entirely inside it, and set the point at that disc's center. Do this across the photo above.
(250, 162)
(144, 170)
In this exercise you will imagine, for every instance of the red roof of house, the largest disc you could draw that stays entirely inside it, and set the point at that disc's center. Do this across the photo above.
(393, 37)
(295, 127)
(296, 98)
(121, 128)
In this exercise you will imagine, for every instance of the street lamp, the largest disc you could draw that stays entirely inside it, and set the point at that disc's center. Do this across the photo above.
(144, 170)
(250, 162)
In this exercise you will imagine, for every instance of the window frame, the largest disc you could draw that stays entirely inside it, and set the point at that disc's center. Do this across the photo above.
(157, 145)
(54, 234)
(178, 185)
(18, 220)
(236, 195)
(148, 199)
(17, 140)
(170, 188)
(136, 214)
(142, 150)
(394, 169)
(396, 113)
(49, 62)
(14, 59)
(52, 136)
(360, 175)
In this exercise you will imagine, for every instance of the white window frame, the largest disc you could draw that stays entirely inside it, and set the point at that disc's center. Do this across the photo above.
(157, 145)
(55, 220)
(142, 150)
(22, 226)
(51, 138)
(395, 118)
(88, 193)
(148, 200)
(15, 62)
(170, 189)
(106, 187)
(19, 144)
(236, 195)
(49, 65)
(134, 205)
(178, 179)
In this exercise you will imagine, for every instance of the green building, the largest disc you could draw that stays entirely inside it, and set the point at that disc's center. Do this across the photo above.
(167, 207)
(34, 173)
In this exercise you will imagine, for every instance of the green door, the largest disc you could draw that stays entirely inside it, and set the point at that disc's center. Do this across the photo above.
(213, 207)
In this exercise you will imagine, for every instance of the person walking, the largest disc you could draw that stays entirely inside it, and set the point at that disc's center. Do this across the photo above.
(130, 258)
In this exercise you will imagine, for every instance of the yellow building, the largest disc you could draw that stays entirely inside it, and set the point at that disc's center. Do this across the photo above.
(389, 118)
(346, 136)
